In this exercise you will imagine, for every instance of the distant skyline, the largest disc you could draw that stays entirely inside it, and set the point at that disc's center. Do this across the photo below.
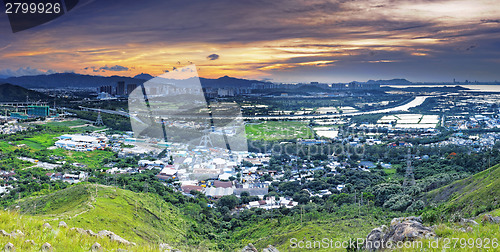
(281, 40)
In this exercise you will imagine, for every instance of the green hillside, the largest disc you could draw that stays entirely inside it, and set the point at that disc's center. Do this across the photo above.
(148, 220)
(137, 217)
(338, 225)
(469, 197)
(11, 93)
(32, 235)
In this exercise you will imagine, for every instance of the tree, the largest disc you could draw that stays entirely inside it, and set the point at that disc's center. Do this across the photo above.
(302, 197)
(229, 201)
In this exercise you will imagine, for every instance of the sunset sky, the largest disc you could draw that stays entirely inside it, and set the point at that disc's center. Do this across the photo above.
(278, 40)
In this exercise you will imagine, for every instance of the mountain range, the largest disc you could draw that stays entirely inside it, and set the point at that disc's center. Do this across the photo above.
(390, 82)
(65, 80)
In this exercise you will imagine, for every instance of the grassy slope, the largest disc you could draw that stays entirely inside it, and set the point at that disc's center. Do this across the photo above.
(135, 217)
(483, 237)
(339, 226)
(470, 196)
(462, 241)
(61, 239)
(479, 193)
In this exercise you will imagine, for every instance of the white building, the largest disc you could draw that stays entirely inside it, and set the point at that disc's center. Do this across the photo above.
(81, 142)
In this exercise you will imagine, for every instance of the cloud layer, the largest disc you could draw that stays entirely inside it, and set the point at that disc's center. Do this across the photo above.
(24, 71)
(289, 40)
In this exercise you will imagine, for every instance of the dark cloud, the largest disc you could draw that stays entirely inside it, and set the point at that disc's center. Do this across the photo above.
(490, 20)
(213, 56)
(104, 27)
(115, 68)
(25, 71)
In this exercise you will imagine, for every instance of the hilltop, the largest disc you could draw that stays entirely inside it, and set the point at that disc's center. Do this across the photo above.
(26, 233)
(391, 82)
(64, 80)
(470, 196)
(12, 93)
(142, 218)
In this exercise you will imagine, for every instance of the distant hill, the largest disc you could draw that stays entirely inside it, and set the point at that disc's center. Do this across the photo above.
(391, 82)
(4, 76)
(471, 196)
(227, 81)
(311, 89)
(299, 90)
(144, 76)
(63, 80)
(11, 93)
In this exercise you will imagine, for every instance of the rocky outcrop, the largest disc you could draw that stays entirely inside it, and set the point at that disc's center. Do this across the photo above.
(9, 247)
(79, 230)
(401, 230)
(91, 233)
(12, 234)
(487, 218)
(466, 230)
(103, 233)
(63, 224)
(376, 235)
(46, 247)
(251, 248)
(400, 220)
(165, 247)
(96, 247)
(270, 248)
(30, 241)
(4, 233)
(116, 238)
(464, 222)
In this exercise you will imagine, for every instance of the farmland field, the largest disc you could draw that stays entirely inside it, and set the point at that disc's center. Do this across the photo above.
(278, 130)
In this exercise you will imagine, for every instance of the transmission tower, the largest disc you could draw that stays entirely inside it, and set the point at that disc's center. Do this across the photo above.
(206, 140)
(409, 176)
(99, 121)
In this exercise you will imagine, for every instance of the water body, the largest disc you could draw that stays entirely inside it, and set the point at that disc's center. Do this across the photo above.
(475, 88)
(417, 101)
(405, 107)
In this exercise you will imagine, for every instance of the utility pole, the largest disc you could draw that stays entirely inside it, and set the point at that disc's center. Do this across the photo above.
(301, 212)
(409, 176)
(355, 194)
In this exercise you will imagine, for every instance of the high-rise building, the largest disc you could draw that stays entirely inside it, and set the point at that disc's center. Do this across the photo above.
(106, 89)
(120, 88)
(357, 85)
(38, 111)
(130, 88)
(338, 86)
